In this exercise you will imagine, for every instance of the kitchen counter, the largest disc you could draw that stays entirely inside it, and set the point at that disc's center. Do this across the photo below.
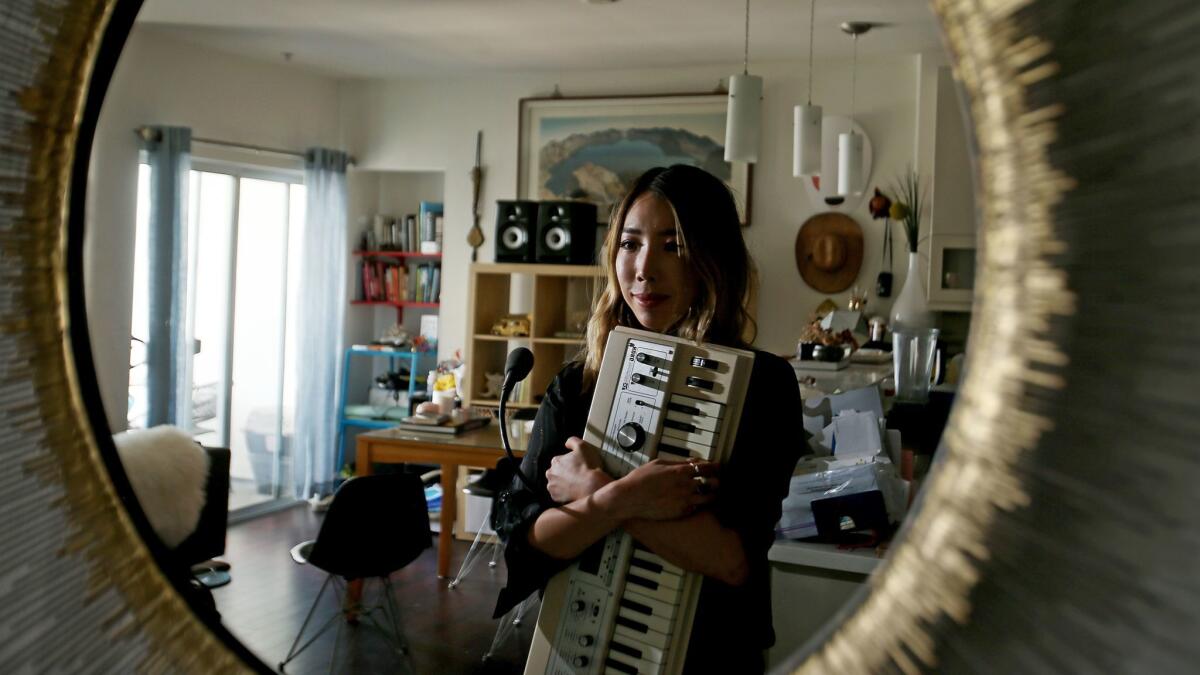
(810, 583)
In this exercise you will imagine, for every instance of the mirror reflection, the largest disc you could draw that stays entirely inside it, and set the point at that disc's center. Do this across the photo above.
(316, 231)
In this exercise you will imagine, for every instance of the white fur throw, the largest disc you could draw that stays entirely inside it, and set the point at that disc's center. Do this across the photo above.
(167, 470)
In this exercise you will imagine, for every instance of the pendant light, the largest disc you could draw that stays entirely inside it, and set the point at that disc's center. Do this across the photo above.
(850, 144)
(806, 119)
(743, 118)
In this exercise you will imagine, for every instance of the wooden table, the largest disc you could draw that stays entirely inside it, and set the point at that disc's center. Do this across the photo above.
(479, 448)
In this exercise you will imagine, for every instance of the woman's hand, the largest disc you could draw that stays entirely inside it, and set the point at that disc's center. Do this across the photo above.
(660, 490)
(576, 474)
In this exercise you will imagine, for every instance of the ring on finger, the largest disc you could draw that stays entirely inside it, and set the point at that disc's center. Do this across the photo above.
(701, 485)
(696, 468)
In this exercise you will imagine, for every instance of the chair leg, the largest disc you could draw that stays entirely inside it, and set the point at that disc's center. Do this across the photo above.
(472, 557)
(497, 553)
(510, 624)
(337, 641)
(393, 615)
(293, 652)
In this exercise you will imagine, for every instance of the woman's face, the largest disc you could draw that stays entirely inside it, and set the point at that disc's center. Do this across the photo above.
(655, 281)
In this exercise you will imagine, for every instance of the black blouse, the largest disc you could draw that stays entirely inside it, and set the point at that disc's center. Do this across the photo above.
(732, 626)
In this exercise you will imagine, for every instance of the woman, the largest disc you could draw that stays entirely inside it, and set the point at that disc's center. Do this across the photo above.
(676, 264)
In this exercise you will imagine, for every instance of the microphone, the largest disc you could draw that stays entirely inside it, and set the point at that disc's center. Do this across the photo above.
(516, 368)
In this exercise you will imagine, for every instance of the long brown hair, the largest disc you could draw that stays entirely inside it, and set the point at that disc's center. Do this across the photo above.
(710, 237)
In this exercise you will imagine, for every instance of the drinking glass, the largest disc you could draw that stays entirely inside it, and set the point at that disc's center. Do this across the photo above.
(913, 352)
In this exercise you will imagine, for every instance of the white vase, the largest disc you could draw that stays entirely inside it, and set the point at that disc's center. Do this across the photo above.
(911, 309)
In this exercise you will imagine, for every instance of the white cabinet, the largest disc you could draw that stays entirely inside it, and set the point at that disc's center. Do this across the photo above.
(951, 242)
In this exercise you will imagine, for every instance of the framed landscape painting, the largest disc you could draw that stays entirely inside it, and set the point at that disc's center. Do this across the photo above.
(593, 148)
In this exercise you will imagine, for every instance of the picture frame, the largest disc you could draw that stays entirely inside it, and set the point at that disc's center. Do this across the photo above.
(593, 147)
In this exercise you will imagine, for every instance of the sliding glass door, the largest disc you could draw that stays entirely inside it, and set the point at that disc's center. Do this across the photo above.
(243, 232)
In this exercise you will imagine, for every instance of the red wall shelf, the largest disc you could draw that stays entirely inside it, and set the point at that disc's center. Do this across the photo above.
(396, 304)
(398, 254)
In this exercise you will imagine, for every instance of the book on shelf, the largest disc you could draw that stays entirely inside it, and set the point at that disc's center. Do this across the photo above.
(430, 242)
(410, 236)
(447, 427)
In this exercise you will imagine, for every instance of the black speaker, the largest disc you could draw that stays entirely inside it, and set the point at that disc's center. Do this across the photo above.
(566, 233)
(516, 229)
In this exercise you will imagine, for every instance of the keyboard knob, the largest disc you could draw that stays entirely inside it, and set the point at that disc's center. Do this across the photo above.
(578, 606)
(631, 436)
(637, 378)
(586, 640)
(579, 661)
(643, 357)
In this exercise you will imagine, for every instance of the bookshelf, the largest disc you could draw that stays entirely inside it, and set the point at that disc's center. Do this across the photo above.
(558, 298)
(377, 199)
(398, 279)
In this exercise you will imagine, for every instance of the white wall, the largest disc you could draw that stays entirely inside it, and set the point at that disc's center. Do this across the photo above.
(430, 125)
(164, 81)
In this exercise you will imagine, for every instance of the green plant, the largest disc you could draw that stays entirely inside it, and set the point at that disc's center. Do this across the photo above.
(907, 205)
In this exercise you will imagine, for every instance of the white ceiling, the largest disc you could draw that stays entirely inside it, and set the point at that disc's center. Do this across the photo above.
(398, 38)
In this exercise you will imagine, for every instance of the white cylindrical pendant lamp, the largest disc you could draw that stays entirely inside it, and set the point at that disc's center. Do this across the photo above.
(743, 119)
(850, 164)
(806, 140)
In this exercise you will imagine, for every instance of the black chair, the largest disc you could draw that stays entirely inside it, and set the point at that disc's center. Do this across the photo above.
(207, 541)
(375, 525)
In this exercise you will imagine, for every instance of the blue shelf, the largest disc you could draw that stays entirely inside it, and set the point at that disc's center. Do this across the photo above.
(344, 421)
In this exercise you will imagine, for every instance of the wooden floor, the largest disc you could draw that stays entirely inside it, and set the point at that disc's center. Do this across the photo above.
(448, 631)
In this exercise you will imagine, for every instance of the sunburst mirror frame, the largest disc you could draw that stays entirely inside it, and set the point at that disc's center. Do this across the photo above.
(1059, 530)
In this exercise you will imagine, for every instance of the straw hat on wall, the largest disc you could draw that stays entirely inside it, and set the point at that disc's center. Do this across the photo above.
(829, 251)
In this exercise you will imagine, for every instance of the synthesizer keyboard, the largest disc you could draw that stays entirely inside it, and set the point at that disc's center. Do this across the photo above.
(620, 608)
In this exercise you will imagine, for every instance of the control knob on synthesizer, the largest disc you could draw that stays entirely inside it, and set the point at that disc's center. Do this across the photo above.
(631, 436)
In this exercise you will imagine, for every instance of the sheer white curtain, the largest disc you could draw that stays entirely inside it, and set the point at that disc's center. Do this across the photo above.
(320, 310)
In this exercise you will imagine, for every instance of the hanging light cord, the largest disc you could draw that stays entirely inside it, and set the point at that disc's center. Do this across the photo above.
(853, 79)
(746, 51)
(812, 13)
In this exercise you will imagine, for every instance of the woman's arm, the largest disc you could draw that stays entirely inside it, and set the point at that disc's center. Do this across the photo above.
(656, 490)
(697, 543)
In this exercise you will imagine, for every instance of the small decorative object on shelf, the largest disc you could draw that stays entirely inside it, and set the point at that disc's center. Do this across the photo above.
(491, 385)
(395, 336)
(512, 325)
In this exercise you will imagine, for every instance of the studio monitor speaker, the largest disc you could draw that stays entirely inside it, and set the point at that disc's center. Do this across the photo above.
(516, 229)
(566, 233)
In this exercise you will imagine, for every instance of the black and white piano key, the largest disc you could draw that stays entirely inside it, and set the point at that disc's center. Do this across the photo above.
(694, 421)
(661, 613)
(695, 406)
(671, 453)
(661, 577)
(641, 586)
(705, 438)
(682, 449)
(642, 633)
(637, 665)
(648, 556)
(625, 641)
(649, 620)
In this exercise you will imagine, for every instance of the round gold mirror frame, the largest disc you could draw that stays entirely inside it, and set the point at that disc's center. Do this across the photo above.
(1034, 547)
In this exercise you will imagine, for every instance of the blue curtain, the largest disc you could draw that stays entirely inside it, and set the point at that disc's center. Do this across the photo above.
(319, 318)
(168, 349)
